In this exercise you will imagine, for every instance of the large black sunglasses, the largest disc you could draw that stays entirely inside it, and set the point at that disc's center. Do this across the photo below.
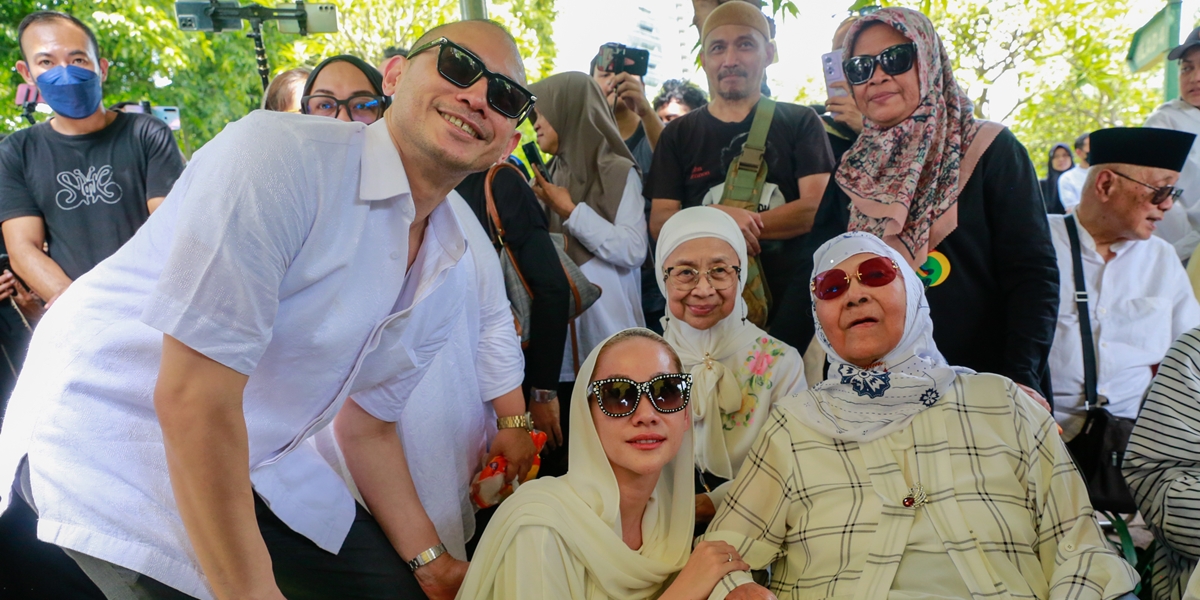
(1160, 193)
(894, 61)
(619, 396)
(462, 68)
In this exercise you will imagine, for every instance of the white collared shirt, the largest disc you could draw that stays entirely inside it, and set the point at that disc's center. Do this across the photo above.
(1138, 303)
(1181, 225)
(1070, 186)
(288, 270)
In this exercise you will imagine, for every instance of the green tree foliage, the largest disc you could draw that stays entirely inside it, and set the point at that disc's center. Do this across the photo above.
(213, 77)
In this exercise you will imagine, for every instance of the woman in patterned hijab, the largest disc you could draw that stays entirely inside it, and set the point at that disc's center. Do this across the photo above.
(956, 196)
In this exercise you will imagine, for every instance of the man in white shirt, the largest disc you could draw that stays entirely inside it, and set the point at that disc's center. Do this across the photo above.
(1070, 184)
(1139, 298)
(301, 270)
(1181, 227)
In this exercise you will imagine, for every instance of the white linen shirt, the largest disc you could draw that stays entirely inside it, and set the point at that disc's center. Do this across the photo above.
(280, 253)
(1181, 225)
(1139, 302)
(618, 249)
(1070, 186)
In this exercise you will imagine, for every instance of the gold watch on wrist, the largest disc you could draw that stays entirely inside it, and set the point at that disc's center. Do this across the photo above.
(524, 421)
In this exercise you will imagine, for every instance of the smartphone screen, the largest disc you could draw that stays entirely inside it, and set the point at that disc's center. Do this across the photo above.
(831, 68)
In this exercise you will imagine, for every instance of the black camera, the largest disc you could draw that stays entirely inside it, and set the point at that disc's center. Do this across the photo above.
(619, 58)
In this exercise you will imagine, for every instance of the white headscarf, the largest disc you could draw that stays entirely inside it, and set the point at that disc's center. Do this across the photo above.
(583, 508)
(860, 405)
(714, 387)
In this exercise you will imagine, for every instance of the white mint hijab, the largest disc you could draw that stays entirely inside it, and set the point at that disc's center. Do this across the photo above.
(583, 509)
(860, 405)
(715, 388)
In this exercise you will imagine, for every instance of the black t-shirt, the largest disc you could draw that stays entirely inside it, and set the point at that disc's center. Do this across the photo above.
(694, 153)
(90, 189)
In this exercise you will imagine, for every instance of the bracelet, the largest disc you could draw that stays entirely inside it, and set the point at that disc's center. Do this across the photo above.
(543, 396)
(427, 556)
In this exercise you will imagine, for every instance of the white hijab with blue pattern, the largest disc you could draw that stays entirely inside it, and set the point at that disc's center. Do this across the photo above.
(862, 405)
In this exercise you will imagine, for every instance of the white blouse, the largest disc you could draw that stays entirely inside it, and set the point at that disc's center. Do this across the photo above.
(619, 248)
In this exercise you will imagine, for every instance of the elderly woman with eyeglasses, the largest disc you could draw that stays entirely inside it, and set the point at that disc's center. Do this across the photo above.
(737, 369)
(902, 477)
(958, 197)
(618, 525)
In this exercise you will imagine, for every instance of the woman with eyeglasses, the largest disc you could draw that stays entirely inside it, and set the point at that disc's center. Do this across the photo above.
(593, 192)
(958, 197)
(737, 369)
(618, 525)
(345, 87)
(900, 476)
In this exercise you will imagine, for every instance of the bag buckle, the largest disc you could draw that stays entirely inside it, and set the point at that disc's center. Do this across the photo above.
(1081, 296)
(751, 159)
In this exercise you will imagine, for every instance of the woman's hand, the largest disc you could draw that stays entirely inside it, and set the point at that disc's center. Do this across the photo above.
(705, 510)
(710, 561)
(441, 578)
(844, 109)
(556, 197)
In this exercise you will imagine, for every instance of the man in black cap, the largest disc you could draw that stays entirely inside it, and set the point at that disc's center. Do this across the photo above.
(1138, 296)
(1181, 226)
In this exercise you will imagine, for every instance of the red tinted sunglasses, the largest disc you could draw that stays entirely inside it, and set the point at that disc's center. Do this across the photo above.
(876, 272)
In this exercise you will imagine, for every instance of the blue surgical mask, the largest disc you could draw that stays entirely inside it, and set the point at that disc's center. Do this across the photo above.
(73, 92)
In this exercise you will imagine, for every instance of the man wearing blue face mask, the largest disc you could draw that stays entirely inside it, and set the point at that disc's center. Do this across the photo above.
(84, 181)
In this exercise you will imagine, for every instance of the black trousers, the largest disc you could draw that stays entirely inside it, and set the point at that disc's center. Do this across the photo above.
(31, 568)
(367, 567)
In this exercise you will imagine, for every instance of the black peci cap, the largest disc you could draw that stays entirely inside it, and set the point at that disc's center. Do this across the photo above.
(1141, 146)
(1192, 41)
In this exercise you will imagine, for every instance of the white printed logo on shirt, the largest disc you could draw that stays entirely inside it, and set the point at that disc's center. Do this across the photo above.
(81, 190)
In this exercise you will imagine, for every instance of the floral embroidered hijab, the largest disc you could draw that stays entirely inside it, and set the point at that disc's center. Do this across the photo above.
(904, 181)
(862, 405)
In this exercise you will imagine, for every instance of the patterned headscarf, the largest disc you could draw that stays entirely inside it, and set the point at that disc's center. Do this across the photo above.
(861, 405)
(904, 180)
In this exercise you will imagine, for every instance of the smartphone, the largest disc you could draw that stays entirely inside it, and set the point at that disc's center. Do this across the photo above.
(322, 18)
(27, 93)
(619, 58)
(6, 265)
(168, 115)
(533, 154)
(831, 68)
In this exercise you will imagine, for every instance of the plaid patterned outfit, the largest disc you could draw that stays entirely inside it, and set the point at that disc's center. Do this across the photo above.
(1003, 495)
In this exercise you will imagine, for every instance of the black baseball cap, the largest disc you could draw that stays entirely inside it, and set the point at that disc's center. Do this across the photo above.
(1192, 41)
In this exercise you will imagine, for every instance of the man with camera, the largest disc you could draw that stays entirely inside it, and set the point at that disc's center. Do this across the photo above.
(304, 274)
(698, 151)
(619, 71)
(84, 181)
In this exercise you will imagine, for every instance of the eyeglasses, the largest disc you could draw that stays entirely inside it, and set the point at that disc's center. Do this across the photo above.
(364, 109)
(1160, 193)
(686, 278)
(619, 396)
(876, 272)
(458, 66)
(894, 61)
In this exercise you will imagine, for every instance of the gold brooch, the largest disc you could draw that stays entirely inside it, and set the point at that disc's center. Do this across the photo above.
(916, 497)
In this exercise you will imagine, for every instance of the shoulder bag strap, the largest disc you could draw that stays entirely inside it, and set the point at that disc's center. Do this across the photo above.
(741, 185)
(497, 228)
(1085, 320)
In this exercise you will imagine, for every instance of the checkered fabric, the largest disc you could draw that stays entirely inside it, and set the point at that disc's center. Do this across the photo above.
(1003, 495)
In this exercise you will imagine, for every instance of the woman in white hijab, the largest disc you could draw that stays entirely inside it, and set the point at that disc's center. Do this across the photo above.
(619, 523)
(737, 369)
(901, 477)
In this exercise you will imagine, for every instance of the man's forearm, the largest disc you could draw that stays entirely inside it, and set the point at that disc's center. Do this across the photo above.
(153, 203)
(510, 404)
(35, 268)
(660, 211)
(790, 220)
(375, 457)
(653, 126)
(199, 406)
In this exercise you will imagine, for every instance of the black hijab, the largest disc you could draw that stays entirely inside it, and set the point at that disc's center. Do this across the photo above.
(1054, 205)
(372, 74)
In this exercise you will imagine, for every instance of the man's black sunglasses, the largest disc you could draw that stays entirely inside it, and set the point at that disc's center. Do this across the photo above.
(894, 61)
(1160, 193)
(462, 68)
